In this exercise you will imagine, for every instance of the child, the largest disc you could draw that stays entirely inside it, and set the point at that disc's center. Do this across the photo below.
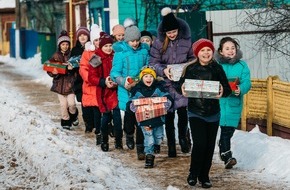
(62, 83)
(106, 91)
(118, 33)
(146, 37)
(130, 56)
(229, 57)
(204, 114)
(152, 128)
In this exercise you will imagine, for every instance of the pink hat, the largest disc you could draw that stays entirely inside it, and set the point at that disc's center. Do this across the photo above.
(118, 29)
(201, 43)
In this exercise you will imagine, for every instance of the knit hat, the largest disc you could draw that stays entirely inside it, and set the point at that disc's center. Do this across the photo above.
(132, 33)
(169, 22)
(105, 39)
(201, 43)
(146, 34)
(147, 70)
(63, 37)
(95, 32)
(82, 30)
(118, 29)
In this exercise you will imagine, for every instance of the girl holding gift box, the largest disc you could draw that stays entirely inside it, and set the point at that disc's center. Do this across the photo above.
(229, 57)
(62, 83)
(130, 56)
(106, 92)
(204, 114)
(151, 128)
(173, 46)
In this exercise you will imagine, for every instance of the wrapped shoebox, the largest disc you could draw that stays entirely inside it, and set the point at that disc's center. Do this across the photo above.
(54, 67)
(148, 108)
(201, 88)
(176, 70)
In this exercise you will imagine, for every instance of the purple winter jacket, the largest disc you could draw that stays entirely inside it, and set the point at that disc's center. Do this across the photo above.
(178, 51)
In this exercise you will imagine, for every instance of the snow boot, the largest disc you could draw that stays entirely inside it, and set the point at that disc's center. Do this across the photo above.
(104, 142)
(74, 118)
(66, 124)
(171, 151)
(105, 147)
(157, 149)
(184, 145)
(98, 139)
(228, 159)
(130, 142)
(149, 162)
(118, 143)
(140, 152)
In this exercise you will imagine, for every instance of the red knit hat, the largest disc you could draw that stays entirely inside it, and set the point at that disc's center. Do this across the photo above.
(82, 30)
(201, 43)
(105, 39)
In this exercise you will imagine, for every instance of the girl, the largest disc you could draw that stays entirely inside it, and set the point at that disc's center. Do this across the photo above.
(204, 114)
(229, 57)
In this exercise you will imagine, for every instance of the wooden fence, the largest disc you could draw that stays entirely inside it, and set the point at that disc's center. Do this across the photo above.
(268, 105)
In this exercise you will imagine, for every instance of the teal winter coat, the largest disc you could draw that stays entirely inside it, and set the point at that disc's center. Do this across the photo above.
(127, 62)
(231, 106)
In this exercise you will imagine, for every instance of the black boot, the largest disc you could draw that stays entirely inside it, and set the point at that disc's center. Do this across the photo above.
(157, 149)
(111, 129)
(228, 159)
(74, 118)
(118, 143)
(140, 152)
(105, 147)
(184, 145)
(98, 139)
(191, 179)
(130, 142)
(66, 124)
(171, 151)
(149, 162)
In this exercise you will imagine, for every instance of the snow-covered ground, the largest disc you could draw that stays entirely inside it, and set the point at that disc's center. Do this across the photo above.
(61, 158)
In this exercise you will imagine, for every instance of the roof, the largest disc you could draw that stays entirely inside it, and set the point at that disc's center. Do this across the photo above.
(7, 4)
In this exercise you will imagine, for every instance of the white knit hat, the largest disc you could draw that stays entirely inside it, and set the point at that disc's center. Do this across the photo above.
(95, 32)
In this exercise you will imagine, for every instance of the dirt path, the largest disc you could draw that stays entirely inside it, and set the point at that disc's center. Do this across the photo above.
(168, 171)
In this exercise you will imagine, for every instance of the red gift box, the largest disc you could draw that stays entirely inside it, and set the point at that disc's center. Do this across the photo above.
(148, 108)
(233, 82)
(54, 67)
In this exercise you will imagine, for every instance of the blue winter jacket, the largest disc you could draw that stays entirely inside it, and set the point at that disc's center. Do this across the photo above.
(127, 62)
(231, 106)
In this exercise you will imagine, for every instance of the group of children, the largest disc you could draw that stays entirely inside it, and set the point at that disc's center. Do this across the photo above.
(116, 70)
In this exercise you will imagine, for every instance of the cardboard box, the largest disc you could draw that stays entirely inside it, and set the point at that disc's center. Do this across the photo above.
(176, 70)
(52, 67)
(145, 112)
(201, 88)
(152, 100)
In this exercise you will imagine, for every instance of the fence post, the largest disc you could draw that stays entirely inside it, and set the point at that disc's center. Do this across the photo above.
(244, 114)
(269, 105)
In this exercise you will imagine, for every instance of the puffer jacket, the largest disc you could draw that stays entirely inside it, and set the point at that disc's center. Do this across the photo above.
(231, 106)
(62, 83)
(178, 51)
(89, 91)
(106, 97)
(213, 71)
(127, 62)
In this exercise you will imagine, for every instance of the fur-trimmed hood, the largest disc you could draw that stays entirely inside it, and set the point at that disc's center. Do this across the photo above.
(221, 59)
(183, 32)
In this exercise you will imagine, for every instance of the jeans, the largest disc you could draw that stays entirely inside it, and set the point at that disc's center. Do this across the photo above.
(152, 136)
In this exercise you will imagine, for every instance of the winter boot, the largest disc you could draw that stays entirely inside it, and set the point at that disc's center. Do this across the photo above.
(74, 118)
(184, 145)
(228, 159)
(171, 151)
(118, 143)
(157, 149)
(191, 179)
(104, 142)
(98, 139)
(130, 142)
(149, 162)
(140, 152)
(66, 124)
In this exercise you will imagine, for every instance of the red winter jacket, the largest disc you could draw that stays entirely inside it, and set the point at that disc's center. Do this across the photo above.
(106, 97)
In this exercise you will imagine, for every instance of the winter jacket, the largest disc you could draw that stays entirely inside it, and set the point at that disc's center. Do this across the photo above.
(89, 91)
(127, 62)
(62, 83)
(78, 83)
(231, 106)
(106, 97)
(155, 90)
(178, 51)
(214, 72)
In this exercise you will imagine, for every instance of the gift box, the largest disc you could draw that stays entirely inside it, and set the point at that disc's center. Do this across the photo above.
(148, 108)
(176, 70)
(234, 82)
(54, 67)
(75, 61)
(201, 88)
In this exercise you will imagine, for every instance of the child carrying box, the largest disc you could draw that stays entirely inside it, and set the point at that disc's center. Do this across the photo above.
(152, 128)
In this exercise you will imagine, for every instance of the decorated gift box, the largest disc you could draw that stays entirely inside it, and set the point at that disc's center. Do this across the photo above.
(54, 67)
(148, 108)
(176, 70)
(201, 88)
(75, 61)
(234, 82)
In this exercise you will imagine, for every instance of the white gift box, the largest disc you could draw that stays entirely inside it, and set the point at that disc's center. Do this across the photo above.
(201, 88)
(176, 70)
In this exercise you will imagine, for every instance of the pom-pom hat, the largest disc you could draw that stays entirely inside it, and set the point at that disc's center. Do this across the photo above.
(95, 32)
(82, 30)
(129, 22)
(105, 39)
(118, 29)
(63, 37)
(147, 70)
(201, 43)
(132, 33)
(169, 21)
